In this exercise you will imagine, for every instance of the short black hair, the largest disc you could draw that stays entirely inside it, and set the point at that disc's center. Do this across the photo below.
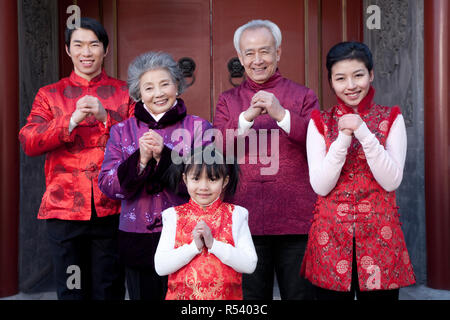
(89, 24)
(349, 51)
(216, 167)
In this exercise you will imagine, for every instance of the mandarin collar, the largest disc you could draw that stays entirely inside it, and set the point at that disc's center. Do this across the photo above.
(158, 117)
(80, 81)
(270, 83)
(364, 105)
(209, 209)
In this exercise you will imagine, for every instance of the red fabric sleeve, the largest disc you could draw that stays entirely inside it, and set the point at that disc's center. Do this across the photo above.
(315, 116)
(43, 132)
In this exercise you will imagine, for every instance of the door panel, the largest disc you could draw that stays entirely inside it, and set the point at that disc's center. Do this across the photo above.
(180, 28)
(340, 21)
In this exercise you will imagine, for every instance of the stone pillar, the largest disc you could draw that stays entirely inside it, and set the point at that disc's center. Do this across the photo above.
(9, 148)
(38, 54)
(397, 49)
(437, 138)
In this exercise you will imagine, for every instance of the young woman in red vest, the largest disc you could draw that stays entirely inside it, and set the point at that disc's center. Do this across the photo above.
(356, 154)
(205, 244)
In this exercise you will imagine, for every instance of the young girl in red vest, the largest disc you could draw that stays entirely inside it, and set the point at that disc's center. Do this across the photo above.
(206, 244)
(356, 154)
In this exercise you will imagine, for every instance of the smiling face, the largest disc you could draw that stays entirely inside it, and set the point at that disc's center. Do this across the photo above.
(351, 81)
(202, 189)
(158, 90)
(87, 53)
(259, 54)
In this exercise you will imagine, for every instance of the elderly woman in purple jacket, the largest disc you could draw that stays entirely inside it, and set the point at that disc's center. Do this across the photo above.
(275, 111)
(138, 153)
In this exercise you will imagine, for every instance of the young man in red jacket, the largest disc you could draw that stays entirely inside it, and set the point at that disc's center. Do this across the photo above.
(70, 122)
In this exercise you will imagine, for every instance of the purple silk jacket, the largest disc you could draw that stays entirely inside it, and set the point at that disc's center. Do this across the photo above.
(143, 196)
(280, 203)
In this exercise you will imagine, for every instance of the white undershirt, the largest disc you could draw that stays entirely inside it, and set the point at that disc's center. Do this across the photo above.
(244, 125)
(386, 165)
(241, 257)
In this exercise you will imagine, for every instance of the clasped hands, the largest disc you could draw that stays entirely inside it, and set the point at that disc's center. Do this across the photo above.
(264, 102)
(202, 235)
(349, 123)
(87, 106)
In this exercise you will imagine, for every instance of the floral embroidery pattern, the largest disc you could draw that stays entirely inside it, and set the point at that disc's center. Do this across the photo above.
(205, 277)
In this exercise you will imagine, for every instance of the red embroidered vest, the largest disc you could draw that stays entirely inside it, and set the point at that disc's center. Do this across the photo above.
(205, 277)
(357, 209)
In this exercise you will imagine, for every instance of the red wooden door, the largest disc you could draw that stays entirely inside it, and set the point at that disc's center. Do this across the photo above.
(203, 30)
(179, 27)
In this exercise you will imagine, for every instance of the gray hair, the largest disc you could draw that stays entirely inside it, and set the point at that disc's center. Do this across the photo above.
(152, 61)
(256, 24)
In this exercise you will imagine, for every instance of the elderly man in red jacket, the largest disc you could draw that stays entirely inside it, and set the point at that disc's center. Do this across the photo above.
(280, 201)
(69, 122)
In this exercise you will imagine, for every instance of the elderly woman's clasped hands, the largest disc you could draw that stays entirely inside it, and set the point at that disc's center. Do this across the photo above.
(151, 145)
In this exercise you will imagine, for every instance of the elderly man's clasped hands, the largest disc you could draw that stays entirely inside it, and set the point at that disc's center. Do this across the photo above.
(264, 102)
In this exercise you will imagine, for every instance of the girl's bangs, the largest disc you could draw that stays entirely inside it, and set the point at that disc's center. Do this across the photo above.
(213, 170)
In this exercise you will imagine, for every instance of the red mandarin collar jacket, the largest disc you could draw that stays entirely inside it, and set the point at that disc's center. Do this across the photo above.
(74, 158)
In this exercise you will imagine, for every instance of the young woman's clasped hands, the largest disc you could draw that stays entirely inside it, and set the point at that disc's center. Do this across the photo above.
(349, 123)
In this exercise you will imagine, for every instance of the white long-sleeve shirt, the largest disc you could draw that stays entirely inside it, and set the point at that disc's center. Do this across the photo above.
(241, 257)
(386, 164)
(244, 125)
